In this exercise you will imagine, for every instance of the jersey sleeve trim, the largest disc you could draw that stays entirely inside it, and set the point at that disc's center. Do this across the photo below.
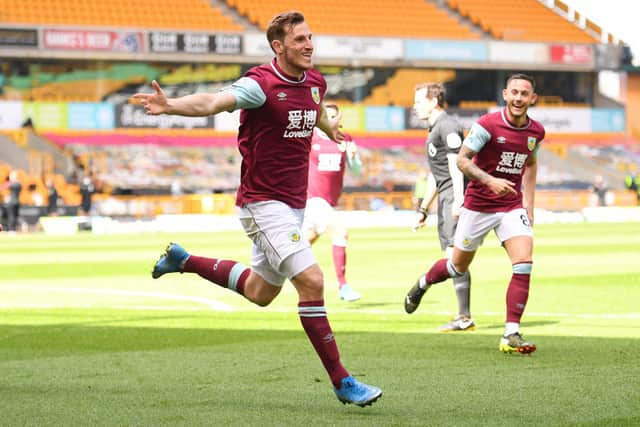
(248, 93)
(355, 164)
(477, 138)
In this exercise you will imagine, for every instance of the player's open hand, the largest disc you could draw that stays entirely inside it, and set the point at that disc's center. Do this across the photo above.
(421, 219)
(153, 103)
(335, 133)
(530, 215)
(501, 187)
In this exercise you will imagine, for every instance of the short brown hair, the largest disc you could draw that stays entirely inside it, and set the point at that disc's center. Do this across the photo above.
(434, 90)
(281, 24)
(522, 76)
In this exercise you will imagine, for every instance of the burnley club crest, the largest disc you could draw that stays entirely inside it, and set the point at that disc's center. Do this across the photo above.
(315, 94)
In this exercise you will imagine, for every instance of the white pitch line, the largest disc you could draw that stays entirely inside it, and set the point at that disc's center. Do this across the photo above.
(213, 304)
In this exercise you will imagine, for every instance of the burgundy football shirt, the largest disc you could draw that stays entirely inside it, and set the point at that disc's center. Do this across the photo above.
(502, 151)
(274, 139)
(327, 163)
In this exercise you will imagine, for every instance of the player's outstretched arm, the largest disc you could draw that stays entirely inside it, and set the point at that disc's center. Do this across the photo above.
(195, 105)
(498, 186)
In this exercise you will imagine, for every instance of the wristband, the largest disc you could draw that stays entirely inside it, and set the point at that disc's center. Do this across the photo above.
(424, 213)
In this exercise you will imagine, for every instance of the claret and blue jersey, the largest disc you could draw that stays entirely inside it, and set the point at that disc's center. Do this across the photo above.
(276, 125)
(503, 151)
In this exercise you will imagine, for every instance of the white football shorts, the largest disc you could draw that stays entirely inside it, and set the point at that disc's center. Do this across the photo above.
(279, 249)
(474, 226)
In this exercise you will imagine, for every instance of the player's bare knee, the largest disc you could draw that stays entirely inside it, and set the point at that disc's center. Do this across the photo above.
(460, 267)
(461, 260)
(259, 291)
(309, 283)
(263, 302)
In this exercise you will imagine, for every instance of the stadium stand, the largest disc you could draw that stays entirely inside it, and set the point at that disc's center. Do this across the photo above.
(78, 84)
(522, 21)
(157, 14)
(398, 90)
(400, 18)
(501, 19)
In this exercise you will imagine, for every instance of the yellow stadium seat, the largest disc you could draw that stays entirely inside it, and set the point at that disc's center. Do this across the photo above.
(150, 14)
(503, 20)
(398, 18)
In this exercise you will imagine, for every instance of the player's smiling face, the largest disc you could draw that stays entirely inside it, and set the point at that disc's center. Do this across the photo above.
(519, 96)
(295, 51)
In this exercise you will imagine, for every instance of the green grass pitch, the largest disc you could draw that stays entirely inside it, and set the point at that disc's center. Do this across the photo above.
(88, 338)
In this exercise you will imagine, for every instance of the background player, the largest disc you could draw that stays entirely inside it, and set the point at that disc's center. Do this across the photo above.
(327, 164)
(499, 155)
(447, 183)
(281, 103)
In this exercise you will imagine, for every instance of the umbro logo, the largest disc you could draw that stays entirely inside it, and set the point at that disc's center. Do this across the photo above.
(282, 96)
(501, 140)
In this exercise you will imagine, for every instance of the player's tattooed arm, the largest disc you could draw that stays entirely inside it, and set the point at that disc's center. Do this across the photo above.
(470, 169)
(465, 163)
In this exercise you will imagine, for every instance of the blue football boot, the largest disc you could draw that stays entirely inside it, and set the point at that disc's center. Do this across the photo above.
(171, 261)
(353, 391)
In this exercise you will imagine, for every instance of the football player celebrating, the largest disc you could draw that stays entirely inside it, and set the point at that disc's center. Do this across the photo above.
(499, 156)
(281, 103)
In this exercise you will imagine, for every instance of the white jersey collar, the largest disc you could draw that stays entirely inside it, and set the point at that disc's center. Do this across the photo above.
(506, 121)
(280, 73)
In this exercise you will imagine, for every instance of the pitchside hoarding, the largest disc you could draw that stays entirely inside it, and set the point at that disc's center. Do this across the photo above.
(571, 54)
(89, 115)
(93, 40)
(11, 116)
(355, 118)
(518, 53)
(46, 115)
(197, 43)
(384, 119)
(21, 38)
(465, 116)
(358, 48)
(133, 116)
(433, 50)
